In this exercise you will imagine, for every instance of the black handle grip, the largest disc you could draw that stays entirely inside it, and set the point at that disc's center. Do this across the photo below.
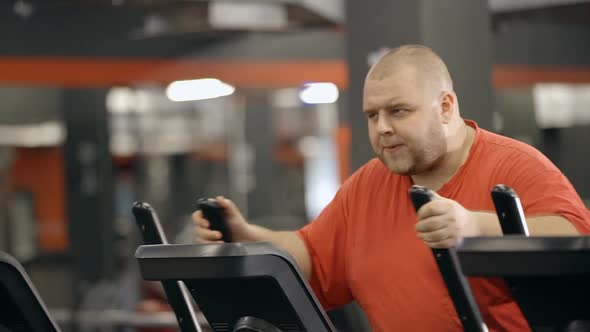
(176, 293)
(216, 217)
(509, 210)
(420, 195)
(448, 265)
(149, 224)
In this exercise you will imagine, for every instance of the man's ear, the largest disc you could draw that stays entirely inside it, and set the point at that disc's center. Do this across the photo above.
(447, 106)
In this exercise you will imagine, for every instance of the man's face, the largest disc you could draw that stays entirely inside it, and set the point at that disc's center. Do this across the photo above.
(405, 126)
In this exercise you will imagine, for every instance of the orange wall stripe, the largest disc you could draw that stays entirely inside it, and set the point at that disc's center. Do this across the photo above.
(95, 72)
(104, 72)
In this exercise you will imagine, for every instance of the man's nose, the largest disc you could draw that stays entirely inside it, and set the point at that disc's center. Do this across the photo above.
(384, 126)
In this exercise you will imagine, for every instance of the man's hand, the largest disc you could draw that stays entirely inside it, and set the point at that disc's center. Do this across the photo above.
(443, 222)
(242, 231)
(237, 225)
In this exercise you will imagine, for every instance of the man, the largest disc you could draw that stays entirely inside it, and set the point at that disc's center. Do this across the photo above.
(367, 244)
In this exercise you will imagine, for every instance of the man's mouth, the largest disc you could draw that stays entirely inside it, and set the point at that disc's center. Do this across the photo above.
(392, 148)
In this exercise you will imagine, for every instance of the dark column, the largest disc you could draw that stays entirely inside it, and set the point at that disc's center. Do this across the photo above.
(552, 144)
(259, 134)
(89, 183)
(459, 31)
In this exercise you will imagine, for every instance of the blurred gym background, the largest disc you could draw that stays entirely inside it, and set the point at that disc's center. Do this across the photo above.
(107, 102)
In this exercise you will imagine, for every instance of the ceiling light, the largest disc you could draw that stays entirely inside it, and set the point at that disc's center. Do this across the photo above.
(319, 93)
(206, 88)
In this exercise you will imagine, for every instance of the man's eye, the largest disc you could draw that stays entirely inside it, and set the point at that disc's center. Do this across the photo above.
(371, 115)
(398, 111)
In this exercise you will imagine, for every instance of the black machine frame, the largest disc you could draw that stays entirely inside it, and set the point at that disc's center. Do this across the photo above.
(177, 295)
(549, 276)
(230, 281)
(21, 308)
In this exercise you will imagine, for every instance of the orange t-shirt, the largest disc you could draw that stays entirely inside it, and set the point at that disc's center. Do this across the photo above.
(364, 245)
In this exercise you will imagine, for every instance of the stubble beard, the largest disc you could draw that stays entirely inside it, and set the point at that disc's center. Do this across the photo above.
(402, 164)
(412, 160)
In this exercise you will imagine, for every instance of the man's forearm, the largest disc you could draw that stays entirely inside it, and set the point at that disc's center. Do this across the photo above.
(286, 240)
(487, 224)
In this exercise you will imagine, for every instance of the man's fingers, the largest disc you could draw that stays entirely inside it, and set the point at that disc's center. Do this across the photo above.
(197, 215)
(441, 239)
(436, 236)
(439, 222)
(435, 207)
(227, 204)
(198, 220)
(200, 240)
(445, 244)
(203, 223)
(204, 234)
(431, 224)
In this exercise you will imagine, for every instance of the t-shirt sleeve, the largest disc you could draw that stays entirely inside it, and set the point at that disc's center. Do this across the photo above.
(544, 190)
(326, 242)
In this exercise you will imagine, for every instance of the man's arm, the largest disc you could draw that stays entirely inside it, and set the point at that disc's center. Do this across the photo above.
(487, 224)
(442, 222)
(242, 231)
(286, 240)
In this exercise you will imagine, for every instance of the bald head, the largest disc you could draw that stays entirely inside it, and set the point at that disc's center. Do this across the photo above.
(427, 65)
(412, 111)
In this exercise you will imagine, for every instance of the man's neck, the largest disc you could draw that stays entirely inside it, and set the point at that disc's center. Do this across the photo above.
(458, 151)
